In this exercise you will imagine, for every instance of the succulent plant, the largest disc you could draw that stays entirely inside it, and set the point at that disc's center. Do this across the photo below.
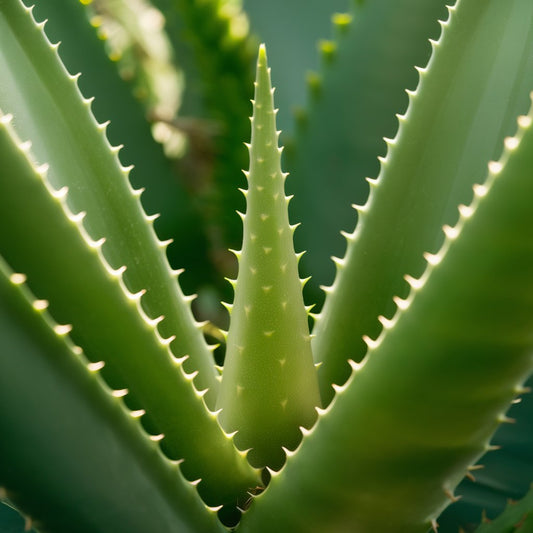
(369, 406)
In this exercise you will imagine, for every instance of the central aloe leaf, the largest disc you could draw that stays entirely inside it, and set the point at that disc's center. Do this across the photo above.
(269, 386)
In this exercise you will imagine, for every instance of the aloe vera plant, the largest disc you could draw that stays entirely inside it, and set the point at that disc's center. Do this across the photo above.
(370, 408)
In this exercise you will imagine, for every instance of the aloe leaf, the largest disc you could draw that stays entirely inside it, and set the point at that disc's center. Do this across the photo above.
(81, 50)
(50, 110)
(517, 518)
(108, 321)
(443, 144)
(435, 384)
(501, 475)
(365, 68)
(269, 385)
(68, 439)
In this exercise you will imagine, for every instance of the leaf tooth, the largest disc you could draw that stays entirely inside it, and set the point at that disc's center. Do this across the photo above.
(157, 438)
(520, 389)
(232, 282)
(299, 255)
(327, 288)
(138, 413)
(401, 117)
(18, 278)
(62, 330)
(511, 143)
(434, 526)
(59, 193)
(178, 360)
(525, 121)
(451, 232)
(236, 253)
(401, 303)
(78, 217)
(466, 211)
(135, 192)
(339, 262)
(228, 306)
(293, 227)
(372, 343)
(40, 305)
(166, 341)
(350, 237)
(495, 167)
(503, 419)
(151, 218)
(88, 102)
(480, 190)
(120, 393)
(25, 146)
(341, 22)
(95, 367)
(415, 283)
(303, 281)
(451, 496)
(164, 244)
(433, 259)
(189, 298)
(153, 322)
(387, 323)
(328, 51)
(176, 272)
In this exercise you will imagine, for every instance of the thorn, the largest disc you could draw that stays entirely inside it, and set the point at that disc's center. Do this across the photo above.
(17, 278)
(400, 302)
(413, 282)
(451, 496)
(95, 367)
(495, 167)
(62, 329)
(466, 211)
(450, 232)
(371, 343)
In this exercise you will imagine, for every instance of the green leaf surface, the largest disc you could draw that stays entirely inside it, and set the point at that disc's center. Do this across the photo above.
(517, 518)
(360, 85)
(269, 385)
(435, 384)
(49, 110)
(82, 51)
(444, 142)
(109, 323)
(504, 474)
(71, 455)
